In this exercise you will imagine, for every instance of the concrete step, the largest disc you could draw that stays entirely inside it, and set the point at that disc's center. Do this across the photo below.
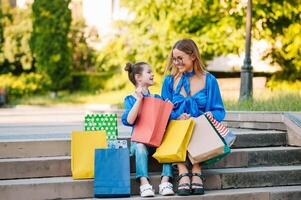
(256, 125)
(264, 193)
(16, 148)
(61, 165)
(66, 187)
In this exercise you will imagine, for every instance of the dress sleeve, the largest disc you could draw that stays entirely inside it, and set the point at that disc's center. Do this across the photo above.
(166, 92)
(215, 103)
(129, 102)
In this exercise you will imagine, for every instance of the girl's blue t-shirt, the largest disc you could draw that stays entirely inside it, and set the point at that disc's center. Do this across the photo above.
(207, 99)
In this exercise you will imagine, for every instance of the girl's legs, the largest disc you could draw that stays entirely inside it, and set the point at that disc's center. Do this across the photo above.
(166, 172)
(141, 154)
(166, 188)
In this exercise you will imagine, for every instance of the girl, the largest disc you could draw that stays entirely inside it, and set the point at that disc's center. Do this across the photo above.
(193, 91)
(141, 75)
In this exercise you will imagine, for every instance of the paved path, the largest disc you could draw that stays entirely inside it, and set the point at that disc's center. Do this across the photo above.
(34, 122)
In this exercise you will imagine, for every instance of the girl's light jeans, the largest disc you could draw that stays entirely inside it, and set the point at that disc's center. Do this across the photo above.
(141, 152)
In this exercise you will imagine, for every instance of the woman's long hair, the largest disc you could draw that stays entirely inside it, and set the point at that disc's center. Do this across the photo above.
(189, 47)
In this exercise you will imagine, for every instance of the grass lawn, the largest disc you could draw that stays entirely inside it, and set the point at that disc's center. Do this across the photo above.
(263, 100)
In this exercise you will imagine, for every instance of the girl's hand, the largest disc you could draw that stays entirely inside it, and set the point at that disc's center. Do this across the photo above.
(184, 116)
(138, 93)
(167, 100)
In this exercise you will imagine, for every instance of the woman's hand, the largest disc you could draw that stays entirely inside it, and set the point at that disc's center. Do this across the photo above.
(184, 116)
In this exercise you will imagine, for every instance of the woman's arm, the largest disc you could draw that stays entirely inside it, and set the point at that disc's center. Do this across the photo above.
(167, 86)
(215, 103)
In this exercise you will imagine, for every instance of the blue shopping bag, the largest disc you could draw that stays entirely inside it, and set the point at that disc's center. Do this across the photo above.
(112, 173)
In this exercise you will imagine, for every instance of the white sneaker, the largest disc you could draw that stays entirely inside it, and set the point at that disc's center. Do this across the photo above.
(166, 189)
(146, 190)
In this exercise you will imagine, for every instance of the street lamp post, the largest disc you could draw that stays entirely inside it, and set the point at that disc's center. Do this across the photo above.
(246, 75)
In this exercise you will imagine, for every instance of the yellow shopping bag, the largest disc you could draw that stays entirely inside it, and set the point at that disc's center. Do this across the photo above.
(175, 142)
(83, 145)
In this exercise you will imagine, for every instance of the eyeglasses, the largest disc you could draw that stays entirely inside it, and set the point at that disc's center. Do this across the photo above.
(177, 60)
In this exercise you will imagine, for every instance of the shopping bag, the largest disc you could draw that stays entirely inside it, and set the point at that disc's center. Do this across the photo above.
(112, 173)
(107, 122)
(175, 141)
(228, 135)
(151, 121)
(83, 145)
(205, 142)
(117, 144)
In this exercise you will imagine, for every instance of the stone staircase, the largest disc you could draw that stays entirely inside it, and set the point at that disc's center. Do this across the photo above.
(261, 166)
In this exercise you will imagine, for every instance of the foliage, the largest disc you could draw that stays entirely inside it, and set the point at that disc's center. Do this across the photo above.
(83, 56)
(1, 35)
(279, 23)
(284, 85)
(17, 53)
(49, 41)
(218, 27)
(23, 85)
(89, 81)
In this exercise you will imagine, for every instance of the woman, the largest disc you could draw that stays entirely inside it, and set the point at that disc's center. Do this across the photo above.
(193, 91)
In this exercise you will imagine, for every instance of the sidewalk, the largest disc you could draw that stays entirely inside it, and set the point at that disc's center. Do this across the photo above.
(36, 122)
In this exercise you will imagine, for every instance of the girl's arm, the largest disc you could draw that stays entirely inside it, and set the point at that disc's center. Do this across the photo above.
(135, 109)
(134, 112)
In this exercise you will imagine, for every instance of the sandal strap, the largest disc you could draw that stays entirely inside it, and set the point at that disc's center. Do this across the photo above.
(197, 184)
(199, 175)
(182, 175)
(183, 186)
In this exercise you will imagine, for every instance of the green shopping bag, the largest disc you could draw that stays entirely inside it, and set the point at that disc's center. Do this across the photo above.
(107, 122)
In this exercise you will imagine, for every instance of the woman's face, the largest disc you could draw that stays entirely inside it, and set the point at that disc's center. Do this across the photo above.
(147, 77)
(182, 60)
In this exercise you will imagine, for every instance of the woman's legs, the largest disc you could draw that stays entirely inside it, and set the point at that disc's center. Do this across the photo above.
(196, 168)
(185, 179)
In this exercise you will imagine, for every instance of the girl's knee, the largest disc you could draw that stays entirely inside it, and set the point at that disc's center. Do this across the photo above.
(141, 149)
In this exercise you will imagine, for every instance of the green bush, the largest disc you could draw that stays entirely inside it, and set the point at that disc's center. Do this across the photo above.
(283, 85)
(49, 41)
(83, 56)
(16, 50)
(1, 35)
(23, 85)
(89, 82)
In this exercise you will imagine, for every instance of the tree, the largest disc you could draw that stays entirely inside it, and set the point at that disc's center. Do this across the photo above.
(83, 56)
(279, 23)
(218, 27)
(1, 35)
(49, 41)
(17, 53)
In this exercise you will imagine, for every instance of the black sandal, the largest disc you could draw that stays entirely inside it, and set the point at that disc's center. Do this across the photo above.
(200, 187)
(183, 191)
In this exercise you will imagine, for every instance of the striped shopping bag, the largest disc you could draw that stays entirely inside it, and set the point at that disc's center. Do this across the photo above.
(228, 135)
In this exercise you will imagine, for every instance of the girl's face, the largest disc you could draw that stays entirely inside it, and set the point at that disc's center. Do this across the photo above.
(182, 61)
(147, 77)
